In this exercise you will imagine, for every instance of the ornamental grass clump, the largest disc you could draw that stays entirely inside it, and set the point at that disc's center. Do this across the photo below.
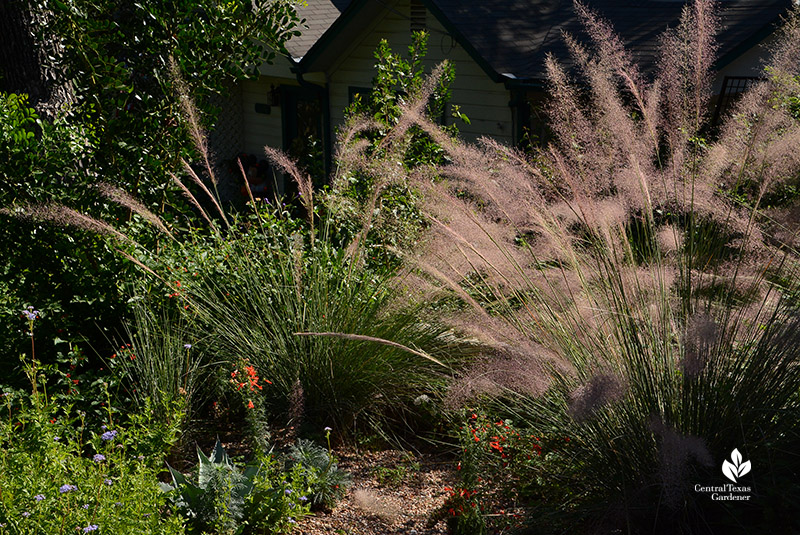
(630, 265)
(299, 299)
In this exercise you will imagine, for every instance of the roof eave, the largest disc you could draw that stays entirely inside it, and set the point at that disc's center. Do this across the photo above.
(740, 49)
(309, 62)
(465, 44)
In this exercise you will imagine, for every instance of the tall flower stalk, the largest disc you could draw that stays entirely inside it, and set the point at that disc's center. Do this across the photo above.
(31, 315)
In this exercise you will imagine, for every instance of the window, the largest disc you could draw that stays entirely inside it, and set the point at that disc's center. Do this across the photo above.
(732, 88)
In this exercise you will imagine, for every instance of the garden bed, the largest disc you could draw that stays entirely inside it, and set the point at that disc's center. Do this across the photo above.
(391, 492)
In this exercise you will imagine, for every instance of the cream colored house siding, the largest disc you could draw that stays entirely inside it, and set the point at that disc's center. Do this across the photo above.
(483, 101)
(260, 129)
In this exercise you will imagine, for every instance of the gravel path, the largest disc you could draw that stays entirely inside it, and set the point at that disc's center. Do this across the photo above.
(392, 492)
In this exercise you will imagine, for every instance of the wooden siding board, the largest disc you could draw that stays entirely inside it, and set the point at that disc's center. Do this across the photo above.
(260, 129)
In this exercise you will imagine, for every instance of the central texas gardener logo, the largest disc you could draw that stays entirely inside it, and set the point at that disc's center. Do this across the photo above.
(737, 468)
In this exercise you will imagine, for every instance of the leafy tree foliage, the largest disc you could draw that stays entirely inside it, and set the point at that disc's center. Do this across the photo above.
(124, 125)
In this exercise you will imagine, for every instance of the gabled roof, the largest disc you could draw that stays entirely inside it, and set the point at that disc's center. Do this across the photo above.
(318, 16)
(509, 39)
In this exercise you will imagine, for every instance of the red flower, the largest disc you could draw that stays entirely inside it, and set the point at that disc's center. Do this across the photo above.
(250, 404)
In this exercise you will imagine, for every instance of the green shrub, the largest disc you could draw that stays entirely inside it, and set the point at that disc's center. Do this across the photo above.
(71, 276)
(373, 117)
(320, 472)
(59, 475)
(226, 500)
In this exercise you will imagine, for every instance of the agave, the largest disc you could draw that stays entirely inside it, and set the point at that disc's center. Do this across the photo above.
(218, 497)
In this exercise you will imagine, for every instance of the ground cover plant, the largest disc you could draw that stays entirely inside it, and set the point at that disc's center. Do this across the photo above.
(226, 499)
(66, 469)
(64, 472)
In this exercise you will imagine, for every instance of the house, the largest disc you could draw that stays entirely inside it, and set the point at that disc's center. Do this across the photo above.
(498, 48)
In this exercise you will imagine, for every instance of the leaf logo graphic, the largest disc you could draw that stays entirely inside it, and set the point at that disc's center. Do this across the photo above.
(737, 468)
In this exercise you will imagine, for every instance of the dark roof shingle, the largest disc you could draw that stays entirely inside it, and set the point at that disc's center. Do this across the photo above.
(514, 36)
(319, 15)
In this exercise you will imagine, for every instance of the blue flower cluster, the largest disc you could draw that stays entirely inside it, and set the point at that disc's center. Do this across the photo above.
(30, 313)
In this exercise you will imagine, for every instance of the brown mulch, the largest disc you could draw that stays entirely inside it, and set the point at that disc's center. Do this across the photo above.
(372, 507)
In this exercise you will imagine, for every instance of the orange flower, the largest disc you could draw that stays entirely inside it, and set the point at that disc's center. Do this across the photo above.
(250, 404)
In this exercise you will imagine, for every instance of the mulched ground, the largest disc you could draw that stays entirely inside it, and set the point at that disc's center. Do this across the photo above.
(376, 505)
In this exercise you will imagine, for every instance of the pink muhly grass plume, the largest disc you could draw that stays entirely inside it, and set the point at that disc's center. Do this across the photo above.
(676, 453)
(701, 337)
(196, 179)
(372, 504)
(601, 389)
(192, 199)
(303, 181)
(123, 198)
(505, 370)
(190, 114)
(64, 216)
(372, 339)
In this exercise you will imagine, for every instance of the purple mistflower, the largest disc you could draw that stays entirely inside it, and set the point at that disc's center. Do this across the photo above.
(108, 435)
(67, 488)
(117, 504)
(287, 491)
(26, 514)
(39, 497)
(85, 506)
(99, 458)
(30, 313)
(91, 527)
(56, 439)
(103, 427)
(291, 520)
(108, 482)
(187, 346)
(303, 499)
